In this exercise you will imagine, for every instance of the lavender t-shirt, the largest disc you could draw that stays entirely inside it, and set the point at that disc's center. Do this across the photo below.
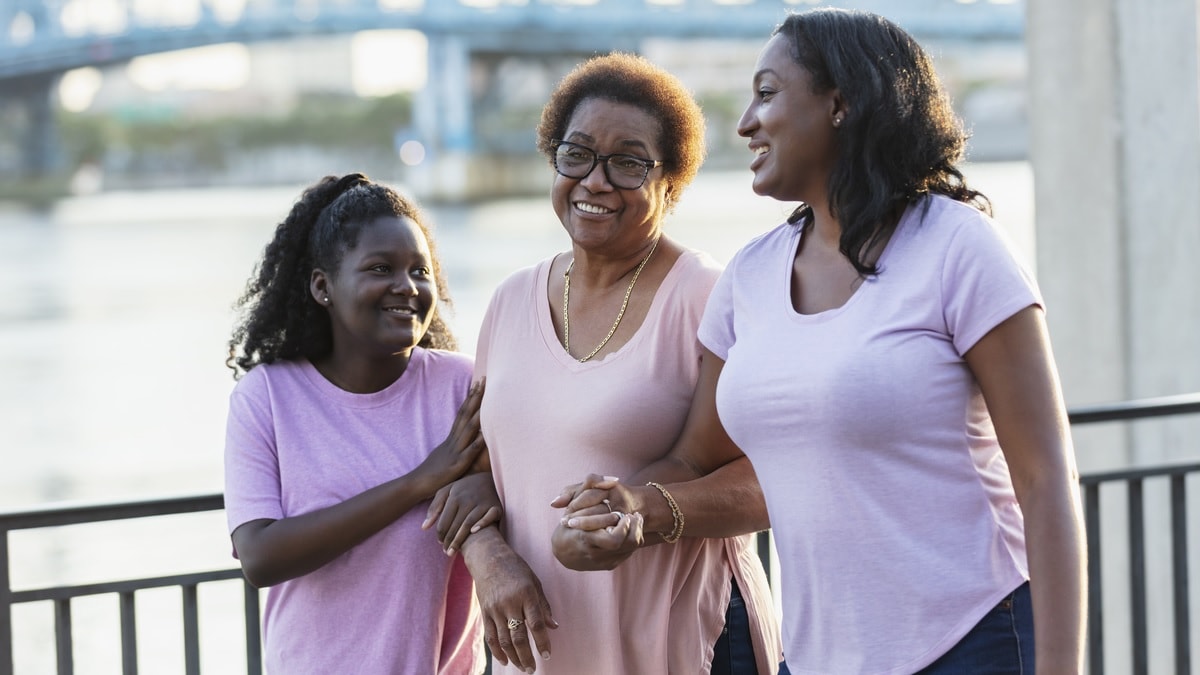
(890, 500)
(395, 603)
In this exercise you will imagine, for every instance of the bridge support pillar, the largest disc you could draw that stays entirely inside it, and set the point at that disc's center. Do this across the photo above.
(1115, 147)
(442, 116)
(34, 101)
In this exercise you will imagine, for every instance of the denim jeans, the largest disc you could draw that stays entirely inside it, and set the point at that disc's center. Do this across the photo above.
(733, 653)
(1000, 644)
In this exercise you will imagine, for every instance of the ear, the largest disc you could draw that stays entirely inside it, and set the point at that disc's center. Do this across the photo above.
(318, 286)
(837, 108)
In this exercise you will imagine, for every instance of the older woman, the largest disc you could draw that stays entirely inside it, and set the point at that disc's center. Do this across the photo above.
(591, 359)
(883, 360)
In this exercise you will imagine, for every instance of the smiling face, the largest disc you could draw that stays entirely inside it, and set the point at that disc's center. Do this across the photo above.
(595, 214)
(791, 128)
(382, 296)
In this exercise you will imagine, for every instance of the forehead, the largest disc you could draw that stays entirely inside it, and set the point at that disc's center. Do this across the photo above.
(608, 123)
(390, 234)
(776, 58)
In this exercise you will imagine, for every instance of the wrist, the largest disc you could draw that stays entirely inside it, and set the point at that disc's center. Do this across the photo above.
(671, 528)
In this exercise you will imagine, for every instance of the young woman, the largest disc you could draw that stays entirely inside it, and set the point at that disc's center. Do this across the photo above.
(883, 361)
(342, 423)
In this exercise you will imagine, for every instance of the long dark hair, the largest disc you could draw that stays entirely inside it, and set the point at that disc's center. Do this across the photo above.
(900, 139)
(280, 320)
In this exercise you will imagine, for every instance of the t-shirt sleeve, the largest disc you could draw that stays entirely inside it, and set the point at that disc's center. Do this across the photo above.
(716, 325)
(252, 486)
(485, 337)
(983, 283)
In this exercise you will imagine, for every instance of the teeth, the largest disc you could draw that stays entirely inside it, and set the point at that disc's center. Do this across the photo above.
(400, 310)
(761, 150)
(591, 208)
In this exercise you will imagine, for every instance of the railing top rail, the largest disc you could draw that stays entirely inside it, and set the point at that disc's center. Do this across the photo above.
(73, 513)
(1137, 474)
(1135, 409)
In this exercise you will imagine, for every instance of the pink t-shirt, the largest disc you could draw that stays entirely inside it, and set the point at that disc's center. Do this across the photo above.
(550, 420)
(891, 503)
(395, 603)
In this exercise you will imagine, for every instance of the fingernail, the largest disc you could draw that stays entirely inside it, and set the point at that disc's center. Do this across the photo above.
(545, 656)
(450, 552)
(613, 478)
(572, 522)
(474, 529)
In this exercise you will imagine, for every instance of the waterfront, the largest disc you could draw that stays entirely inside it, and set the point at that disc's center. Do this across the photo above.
(113, 328)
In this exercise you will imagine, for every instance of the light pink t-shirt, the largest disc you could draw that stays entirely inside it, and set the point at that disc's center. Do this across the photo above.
(550, 420)
(891, 503)
(395, 603)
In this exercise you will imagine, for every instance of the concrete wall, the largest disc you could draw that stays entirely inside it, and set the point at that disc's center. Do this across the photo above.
(1115, 147)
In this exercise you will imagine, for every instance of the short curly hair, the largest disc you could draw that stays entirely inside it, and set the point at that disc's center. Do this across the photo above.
(280, 320)
(633, 80)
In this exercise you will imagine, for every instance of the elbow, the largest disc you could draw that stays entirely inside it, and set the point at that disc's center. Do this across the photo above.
(258, 575)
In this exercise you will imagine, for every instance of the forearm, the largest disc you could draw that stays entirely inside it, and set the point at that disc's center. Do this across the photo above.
(724, 503)
(275, 551)
(1057, 570)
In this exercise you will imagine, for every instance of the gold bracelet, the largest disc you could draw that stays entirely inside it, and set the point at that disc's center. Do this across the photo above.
(676, 514)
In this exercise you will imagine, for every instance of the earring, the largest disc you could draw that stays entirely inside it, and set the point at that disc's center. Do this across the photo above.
(325, 299)
(837, 122)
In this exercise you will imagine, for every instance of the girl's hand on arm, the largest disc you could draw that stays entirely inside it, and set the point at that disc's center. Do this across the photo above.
(459, 451)
(462, 508)
(511, 599)
(1016, 373)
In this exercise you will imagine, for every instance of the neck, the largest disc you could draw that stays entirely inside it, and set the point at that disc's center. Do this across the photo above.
(600, 271)
(359, 375)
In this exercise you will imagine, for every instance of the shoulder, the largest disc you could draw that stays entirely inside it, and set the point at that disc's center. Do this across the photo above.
(440, 360)
(521, 280)
(261, 379)
(695, 266)
(766, 244)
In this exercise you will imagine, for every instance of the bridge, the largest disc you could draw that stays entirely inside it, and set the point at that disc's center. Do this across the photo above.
(40, 40)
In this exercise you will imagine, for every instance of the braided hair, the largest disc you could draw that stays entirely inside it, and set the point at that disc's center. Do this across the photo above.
(279, 319)
(900, 139)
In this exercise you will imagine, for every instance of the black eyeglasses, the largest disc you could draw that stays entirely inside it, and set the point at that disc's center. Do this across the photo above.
(626, 172)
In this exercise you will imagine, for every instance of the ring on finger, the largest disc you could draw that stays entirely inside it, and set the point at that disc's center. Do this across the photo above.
(608, 504)
(514, 624)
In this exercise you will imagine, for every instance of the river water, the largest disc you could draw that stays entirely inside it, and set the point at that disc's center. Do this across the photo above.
(113, 326)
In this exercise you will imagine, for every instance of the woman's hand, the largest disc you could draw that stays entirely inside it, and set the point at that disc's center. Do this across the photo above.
(455, 455)
(513, 605)
(462, 508)
(599, 549)
(594, 503)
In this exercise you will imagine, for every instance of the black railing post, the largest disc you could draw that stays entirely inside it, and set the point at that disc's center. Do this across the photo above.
(191, 631)
(62, 636)
(1137, 575)
(1095, 627)
(253, 634)
(128, 634)
(6, 624)
(1179, 564)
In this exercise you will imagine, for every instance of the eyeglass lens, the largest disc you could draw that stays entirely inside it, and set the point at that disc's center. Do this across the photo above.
(623, 171)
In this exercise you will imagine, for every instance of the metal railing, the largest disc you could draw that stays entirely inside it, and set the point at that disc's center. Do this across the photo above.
(61, 596)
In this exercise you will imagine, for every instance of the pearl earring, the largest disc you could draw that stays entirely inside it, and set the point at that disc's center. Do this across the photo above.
(837, 121)
(325, 299)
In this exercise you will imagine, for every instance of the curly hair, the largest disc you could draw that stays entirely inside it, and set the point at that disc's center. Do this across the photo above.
(900, 139)
(279, 319)
(632, 80)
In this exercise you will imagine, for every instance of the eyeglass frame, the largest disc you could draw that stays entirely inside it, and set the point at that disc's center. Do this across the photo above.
(597, 158)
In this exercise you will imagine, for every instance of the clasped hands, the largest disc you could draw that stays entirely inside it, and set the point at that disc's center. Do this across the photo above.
(601, 525)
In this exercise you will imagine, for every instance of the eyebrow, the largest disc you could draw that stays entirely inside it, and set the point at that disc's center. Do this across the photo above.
(628, 143)
(765, 71)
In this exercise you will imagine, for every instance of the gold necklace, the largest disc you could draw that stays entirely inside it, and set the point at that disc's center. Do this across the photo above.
(620, 314)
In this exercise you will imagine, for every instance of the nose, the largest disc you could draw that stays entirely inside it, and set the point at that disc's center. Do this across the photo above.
(748, 122)
(596, 180)
(405, 285)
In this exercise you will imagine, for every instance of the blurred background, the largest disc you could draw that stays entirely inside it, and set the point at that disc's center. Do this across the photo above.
(149, 147)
